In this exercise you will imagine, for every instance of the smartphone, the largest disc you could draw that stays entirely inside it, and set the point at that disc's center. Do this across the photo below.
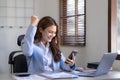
(73, 52)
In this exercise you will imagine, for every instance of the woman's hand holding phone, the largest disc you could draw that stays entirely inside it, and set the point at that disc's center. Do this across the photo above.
(73, 54)
(71, 58)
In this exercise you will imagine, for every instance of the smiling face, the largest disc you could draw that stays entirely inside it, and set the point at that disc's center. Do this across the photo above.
(47, 31)
(48, 34)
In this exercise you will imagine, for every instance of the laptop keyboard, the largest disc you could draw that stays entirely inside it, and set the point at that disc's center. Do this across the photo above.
(85, 70)
(80, 71)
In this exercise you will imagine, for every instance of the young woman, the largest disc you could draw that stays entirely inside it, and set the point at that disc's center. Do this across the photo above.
(41, 47)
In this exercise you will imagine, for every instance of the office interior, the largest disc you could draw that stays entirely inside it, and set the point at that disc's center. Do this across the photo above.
(96, 32)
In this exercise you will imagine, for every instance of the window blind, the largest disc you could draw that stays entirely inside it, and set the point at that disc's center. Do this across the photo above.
(72, 22)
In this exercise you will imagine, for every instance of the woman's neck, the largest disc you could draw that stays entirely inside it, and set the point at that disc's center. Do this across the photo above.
(44, 42)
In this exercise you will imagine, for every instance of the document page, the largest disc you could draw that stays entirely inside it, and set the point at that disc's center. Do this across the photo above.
(59, 75)
(31, 77)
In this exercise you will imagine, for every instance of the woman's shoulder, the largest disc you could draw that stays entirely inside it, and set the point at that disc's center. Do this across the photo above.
(38, 47)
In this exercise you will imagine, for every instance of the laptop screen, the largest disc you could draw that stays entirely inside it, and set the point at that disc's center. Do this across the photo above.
(106, 63)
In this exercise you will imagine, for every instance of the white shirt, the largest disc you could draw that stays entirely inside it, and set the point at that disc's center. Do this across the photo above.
(47, 57)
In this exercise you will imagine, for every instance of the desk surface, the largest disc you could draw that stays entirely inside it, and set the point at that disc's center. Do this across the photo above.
(110, 76)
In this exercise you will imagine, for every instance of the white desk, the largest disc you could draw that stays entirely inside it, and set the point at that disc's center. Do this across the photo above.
(113, 75)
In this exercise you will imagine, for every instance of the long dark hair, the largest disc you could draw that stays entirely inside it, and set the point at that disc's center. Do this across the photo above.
(45, 22)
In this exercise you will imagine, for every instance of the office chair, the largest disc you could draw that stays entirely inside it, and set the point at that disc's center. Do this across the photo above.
(17, 59)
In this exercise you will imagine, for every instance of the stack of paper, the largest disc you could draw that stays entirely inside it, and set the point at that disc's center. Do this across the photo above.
(59, 75)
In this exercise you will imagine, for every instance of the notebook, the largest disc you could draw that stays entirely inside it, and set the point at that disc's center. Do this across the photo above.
(103, 67)
(59, 75)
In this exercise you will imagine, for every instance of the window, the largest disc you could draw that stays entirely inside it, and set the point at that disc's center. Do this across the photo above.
(15, 13)
(113, 28)
(72, 22)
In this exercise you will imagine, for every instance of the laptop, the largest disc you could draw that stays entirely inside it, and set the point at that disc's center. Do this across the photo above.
(104, 66)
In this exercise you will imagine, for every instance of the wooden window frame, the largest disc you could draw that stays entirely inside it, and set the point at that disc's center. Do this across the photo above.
(112, 26)
(65, 39)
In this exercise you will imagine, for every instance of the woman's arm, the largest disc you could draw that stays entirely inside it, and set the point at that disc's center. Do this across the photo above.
(28, 41)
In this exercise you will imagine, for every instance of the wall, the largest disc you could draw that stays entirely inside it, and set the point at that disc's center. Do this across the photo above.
(97, 15)
(8, 43)
(96, 33)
